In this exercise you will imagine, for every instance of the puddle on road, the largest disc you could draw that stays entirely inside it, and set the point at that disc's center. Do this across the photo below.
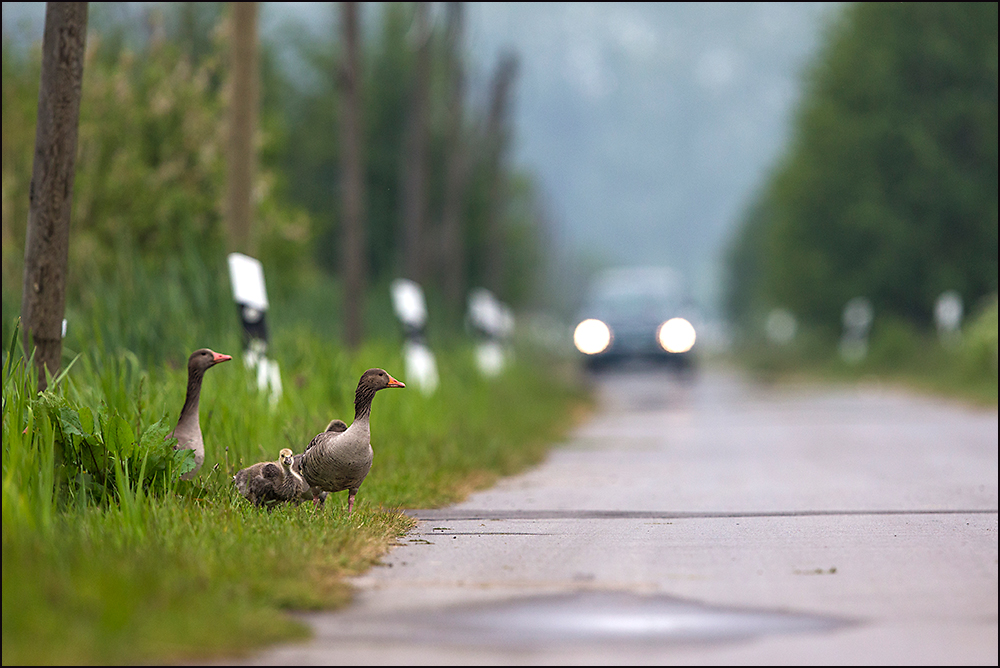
(590, 616)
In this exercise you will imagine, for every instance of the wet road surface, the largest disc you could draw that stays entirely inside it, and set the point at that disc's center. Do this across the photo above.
(711, 521)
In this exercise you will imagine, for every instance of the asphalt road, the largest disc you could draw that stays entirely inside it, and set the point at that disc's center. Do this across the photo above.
(708, 522)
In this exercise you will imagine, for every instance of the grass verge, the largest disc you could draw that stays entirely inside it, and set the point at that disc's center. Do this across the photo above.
(111, 560)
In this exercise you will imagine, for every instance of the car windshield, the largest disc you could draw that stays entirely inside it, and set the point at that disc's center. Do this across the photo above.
(632, 305)
(635, 293)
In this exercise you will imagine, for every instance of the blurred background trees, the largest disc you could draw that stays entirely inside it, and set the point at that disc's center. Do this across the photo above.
(889, 188)
(148, 239)
(417, 119)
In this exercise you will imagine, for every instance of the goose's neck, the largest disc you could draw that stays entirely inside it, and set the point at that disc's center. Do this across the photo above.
(363, 402)
(190, 410)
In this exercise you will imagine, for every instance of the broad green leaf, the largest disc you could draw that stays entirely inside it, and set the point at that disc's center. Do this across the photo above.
(70, 423)
(183, 461)
(86, 420)
(120, 437)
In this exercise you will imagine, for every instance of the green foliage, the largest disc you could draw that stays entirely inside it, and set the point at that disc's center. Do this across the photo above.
(85, 455)
(149, 163)
(962, 366)
(99, 532)
(107, 556)
(889, 189)
(146, 230)
(175, 580)
(977, 352)
(146, 233)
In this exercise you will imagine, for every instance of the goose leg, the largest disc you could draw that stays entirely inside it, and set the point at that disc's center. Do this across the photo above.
(350, 500)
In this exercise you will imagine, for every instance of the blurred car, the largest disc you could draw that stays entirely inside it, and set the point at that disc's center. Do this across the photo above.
(636, 313)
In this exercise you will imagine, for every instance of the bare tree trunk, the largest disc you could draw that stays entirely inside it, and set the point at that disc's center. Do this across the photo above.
(415, 163)
(241, 158)
(496, 143)
(456, 170)
(46, 248)
(354, 261)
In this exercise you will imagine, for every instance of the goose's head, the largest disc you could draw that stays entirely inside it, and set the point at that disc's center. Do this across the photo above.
(204, 358)
(378, 379)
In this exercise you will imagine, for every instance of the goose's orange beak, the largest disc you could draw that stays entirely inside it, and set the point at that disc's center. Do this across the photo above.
(393, 382)
(219, 357)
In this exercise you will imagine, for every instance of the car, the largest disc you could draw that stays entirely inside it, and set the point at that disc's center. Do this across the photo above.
(636, 314)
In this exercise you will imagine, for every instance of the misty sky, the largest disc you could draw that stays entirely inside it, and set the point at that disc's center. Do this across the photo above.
(648, 125)
(651, 125)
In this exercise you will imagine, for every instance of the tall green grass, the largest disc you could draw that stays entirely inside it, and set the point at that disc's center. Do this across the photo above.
(109, 558)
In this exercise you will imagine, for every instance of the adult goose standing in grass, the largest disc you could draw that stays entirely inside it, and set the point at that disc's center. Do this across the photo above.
(334, 461)
(188, 429)
(270, 483)
(306, 494)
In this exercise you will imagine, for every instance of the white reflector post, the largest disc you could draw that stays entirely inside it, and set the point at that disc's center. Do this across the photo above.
(485, 312)
(247, 276)
(408, 302)
(269, 375)
(781, 326)
(411, 309)
(490, 358)
(494, 322)
(948, 317)
(421, 368)
(857, 317)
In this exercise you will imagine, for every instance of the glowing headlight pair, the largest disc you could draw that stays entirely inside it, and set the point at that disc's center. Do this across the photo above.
(593, 336)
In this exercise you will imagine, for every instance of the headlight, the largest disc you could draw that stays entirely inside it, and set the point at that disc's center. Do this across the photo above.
(592, 336)
(676, 335)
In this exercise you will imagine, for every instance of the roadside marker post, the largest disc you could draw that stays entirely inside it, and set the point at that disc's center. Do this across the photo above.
(247, 277)
(411, 309)
(857, 319)
(493, 322)
(948, 310)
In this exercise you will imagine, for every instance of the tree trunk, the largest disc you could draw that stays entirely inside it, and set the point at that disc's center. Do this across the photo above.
(354, 262)
(456, 171)
(241, 158)
(496, 144)
(415, 162)
(46, 248)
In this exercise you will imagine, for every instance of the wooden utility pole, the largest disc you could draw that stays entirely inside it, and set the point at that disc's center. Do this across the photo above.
(415, 162)
(46, 248)
(243, 103)
(496, 145)
(354, 263)
(456, 170)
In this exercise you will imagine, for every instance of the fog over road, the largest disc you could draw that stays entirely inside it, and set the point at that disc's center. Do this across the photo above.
(708, 522)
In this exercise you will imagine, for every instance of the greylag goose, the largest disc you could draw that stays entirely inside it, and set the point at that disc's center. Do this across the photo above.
(338, 460)
(269, 483)
(306, 494)
(188, 429)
